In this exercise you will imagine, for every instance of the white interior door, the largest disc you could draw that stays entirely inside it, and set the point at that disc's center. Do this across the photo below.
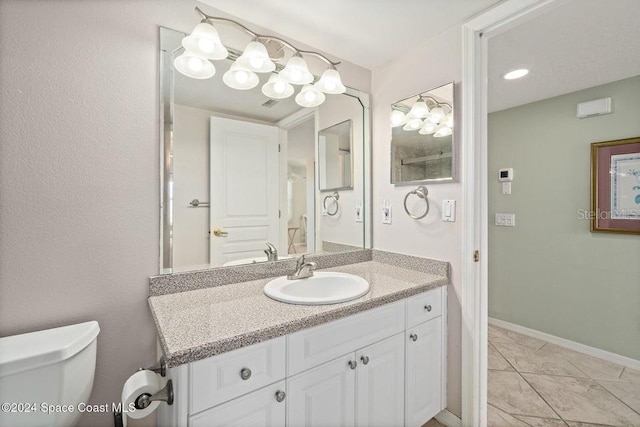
(244, 189)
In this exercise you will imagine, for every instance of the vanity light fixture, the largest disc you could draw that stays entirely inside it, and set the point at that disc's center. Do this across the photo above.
(330, 82)
(442, 130)
(277, 88)
(516, 74)
(437, 121)
(428, 128)
(204, 41)
(310, 96)
(204, 44)
(256, 58)
(296, 71)
(436, 115)
(240, 78)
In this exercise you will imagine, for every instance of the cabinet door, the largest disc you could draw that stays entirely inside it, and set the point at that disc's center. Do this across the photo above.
(380, 383)
(323, 396)
(423, 372)
(264, 407)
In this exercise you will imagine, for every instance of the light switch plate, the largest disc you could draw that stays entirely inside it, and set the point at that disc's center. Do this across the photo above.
(449, 210)
(506, 220)
(386, 212)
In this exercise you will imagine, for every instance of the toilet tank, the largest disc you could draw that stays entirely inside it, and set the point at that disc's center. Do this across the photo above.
(46, 376)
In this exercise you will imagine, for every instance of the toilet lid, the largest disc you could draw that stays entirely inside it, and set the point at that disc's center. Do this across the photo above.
(19, 353)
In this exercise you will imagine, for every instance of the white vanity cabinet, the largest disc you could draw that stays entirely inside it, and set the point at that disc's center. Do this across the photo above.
(380, 367)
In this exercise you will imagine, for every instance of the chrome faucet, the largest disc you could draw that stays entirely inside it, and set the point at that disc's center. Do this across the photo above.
(304, 269)
(272, 252)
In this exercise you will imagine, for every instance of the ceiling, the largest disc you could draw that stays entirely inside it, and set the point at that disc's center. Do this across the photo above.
(368, 33)
(581, 44)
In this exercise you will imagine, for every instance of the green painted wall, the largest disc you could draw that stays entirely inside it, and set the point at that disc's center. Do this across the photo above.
(550, 273)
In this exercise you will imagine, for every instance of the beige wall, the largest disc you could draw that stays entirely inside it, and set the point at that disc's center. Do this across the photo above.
(549, 273)
(431, 64)
(79, 172)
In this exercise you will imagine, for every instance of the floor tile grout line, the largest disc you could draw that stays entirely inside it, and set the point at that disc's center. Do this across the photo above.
(616, 397)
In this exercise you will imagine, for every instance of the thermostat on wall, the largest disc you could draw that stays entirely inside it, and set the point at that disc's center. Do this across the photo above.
(505, 175)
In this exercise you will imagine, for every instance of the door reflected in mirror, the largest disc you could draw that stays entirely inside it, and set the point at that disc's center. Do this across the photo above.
(334, 157)
(256, 167)
(422, 127)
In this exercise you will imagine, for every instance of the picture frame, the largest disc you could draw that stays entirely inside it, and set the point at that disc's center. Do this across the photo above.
(615, 186)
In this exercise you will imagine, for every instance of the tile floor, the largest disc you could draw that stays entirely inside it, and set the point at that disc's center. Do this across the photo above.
(536, 383)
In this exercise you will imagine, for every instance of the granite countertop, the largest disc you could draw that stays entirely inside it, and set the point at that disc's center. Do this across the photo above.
(201, 323)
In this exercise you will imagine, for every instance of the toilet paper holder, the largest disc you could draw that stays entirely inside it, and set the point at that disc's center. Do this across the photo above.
(159, 368)
(164, 395)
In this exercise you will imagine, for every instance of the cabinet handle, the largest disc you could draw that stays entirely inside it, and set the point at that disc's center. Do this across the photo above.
(365, 359)
(413, 337)
(280, 395)
(245, 373)
(353, 364)
(427, 307)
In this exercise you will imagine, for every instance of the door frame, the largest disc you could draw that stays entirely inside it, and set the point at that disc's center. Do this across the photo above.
(474, 175)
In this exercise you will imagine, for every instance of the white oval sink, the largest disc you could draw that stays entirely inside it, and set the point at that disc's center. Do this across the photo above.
(322, 288)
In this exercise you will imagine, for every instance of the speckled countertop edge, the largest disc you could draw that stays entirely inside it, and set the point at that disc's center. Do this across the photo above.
(288, 326)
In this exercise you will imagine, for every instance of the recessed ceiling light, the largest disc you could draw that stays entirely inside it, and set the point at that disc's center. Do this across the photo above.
(516, 74)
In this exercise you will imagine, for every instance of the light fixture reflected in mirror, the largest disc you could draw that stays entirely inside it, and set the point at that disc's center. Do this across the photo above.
(240, 78)
(310, 96)
(419, 109)
(398, 118)
(428, 128)
(194, 66)
(442, 130)
(277, 88)
(413, 124)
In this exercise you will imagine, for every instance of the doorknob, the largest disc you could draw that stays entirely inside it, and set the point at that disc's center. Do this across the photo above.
(219, 233)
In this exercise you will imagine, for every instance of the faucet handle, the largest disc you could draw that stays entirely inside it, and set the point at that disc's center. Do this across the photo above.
(300, 261)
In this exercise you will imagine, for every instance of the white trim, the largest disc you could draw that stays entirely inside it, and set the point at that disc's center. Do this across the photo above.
(475, 34)
(571, 345)
(448, 419)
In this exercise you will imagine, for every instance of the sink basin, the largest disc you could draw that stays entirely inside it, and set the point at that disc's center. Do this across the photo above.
(322, 288)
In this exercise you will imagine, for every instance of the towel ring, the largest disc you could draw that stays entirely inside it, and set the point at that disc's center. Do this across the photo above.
(421, 192)
(335, 197)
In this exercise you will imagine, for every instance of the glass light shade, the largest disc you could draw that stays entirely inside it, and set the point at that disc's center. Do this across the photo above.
(449, 120)
(277, 88)
(413, 124)
(240, 78)
(194, 66)
(310, 96)
(205, 41)
(436, 115)
(428, 128)
(330, 82)
(398, 118)
(296, 71)
(442, 130)
(419, 110)
(256, 58)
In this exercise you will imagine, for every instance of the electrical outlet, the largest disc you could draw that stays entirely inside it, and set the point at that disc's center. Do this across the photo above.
(505, 220)
(386, 212)
(359, 211)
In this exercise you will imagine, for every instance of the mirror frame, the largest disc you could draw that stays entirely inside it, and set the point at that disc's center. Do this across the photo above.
(454, 165)
(166, 94)
(349, 187)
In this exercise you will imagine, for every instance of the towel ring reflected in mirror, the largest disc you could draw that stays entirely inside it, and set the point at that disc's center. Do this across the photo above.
(422, 193)
(335, 197)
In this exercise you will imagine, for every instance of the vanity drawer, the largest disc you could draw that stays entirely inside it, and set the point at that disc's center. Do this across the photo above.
(311, 347)
(220, 378)
(423, 307)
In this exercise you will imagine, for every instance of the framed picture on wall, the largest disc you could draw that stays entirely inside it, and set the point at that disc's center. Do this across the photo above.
(615, 186)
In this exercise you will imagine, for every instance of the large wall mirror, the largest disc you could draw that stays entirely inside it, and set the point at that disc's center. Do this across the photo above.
(243, 172)
(422, 148)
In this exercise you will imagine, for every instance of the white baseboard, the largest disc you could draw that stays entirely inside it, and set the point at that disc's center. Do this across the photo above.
(571, 345)
(448, 419)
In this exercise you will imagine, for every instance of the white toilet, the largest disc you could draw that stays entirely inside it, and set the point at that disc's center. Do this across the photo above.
(51, 367)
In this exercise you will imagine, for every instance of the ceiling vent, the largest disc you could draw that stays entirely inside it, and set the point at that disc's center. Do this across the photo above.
(270, 103)
(594, 108)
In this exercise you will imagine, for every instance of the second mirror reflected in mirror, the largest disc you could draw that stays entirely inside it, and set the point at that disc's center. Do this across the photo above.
(422, 137)
(246, 176)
